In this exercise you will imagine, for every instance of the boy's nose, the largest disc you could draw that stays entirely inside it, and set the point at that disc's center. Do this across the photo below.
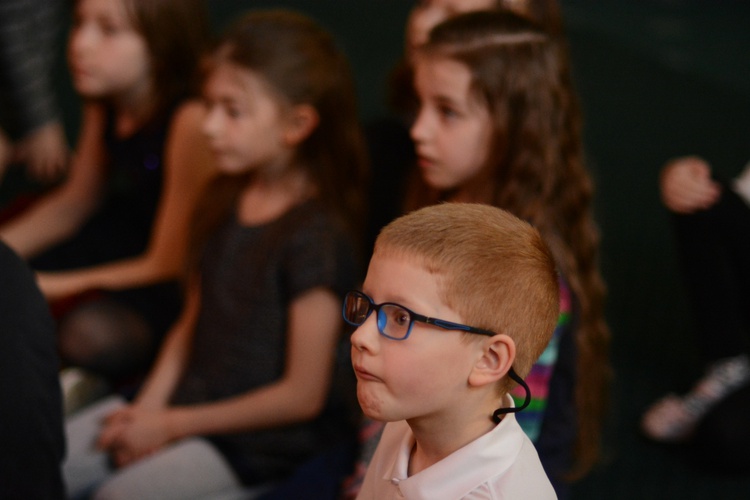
(365, 337)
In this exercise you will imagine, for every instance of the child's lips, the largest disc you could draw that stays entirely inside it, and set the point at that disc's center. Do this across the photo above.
(217, 150)
(78, 71)
(363, 374)
(425, 162)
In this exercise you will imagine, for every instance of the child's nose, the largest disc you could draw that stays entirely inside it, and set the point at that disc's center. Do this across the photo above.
(365, 337)
(83, 37)
(210, 126)
(419, 129)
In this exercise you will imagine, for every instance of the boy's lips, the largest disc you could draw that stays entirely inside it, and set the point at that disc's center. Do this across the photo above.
(363, 374)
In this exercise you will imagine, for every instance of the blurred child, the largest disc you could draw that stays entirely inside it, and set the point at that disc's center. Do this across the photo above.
(238, 395)
(711, 219)
(31, 131)
(439, 382)
(497, 125)
(111, 239)
(391, 150)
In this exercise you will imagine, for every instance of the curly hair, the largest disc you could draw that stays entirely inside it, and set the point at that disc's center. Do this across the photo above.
(522, 76)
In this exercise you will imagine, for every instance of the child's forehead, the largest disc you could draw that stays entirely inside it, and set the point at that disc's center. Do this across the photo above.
(224, 68)
(405, 256)
(396, 259)
(442, 77)
(110, 10)
(407, 278)
(245, 80)
(432, 60)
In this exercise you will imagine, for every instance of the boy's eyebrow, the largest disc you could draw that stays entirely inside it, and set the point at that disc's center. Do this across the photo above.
(395, 299)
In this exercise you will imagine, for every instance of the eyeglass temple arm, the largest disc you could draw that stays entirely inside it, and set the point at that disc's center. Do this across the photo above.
(452, 326)
(497, 415)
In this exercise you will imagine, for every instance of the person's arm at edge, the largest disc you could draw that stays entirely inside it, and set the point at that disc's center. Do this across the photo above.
(61, 213)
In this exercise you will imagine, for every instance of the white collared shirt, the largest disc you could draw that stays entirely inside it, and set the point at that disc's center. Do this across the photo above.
(502, 464)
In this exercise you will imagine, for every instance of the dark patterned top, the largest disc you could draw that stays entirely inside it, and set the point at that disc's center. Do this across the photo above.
(249, 277)
(121, 226)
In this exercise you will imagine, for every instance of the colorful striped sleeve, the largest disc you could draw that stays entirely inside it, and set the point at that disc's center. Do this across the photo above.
(539, 377)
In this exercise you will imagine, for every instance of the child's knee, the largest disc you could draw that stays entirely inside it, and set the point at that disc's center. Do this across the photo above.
(106, 338)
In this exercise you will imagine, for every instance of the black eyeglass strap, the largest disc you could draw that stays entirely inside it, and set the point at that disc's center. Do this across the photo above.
(497, 415)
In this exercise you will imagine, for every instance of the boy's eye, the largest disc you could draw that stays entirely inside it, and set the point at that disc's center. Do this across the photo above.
(400, 317)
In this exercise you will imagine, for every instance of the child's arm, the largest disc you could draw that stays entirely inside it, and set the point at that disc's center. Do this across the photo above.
(163, 377)
(298, 395)
(173, 355)
(58, 215)
(188, 167)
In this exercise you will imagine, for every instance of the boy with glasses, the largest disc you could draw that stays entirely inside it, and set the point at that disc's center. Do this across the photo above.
(441, 383)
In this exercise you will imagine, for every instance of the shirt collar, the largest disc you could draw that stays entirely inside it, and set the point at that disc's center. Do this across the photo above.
(488, 456)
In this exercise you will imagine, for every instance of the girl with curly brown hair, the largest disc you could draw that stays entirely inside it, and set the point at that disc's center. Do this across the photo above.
(498, 124)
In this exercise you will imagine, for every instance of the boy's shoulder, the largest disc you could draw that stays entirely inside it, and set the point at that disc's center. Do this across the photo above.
(502, 461)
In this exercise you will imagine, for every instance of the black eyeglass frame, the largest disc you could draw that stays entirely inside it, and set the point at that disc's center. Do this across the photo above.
(440, 323)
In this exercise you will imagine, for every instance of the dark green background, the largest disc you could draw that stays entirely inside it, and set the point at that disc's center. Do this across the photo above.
(656, 79)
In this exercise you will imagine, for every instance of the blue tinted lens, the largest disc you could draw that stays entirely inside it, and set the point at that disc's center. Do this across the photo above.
(382, 321)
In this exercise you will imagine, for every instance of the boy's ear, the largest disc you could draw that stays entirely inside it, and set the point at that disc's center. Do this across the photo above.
(496, 359)
(303, 118)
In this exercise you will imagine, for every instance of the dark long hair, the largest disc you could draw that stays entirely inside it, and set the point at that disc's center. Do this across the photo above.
(520, 74)
(545, 14)
(177, 32)
(301, 63)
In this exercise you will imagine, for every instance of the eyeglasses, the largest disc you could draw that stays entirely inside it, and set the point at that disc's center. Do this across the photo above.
(394, 321)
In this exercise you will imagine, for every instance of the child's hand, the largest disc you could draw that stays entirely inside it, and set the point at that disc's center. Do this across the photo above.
(132, 433)
(112, 426)
(686, 185)
(45, 152)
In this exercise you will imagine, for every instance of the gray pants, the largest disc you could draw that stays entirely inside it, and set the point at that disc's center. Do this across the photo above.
(188, 469)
